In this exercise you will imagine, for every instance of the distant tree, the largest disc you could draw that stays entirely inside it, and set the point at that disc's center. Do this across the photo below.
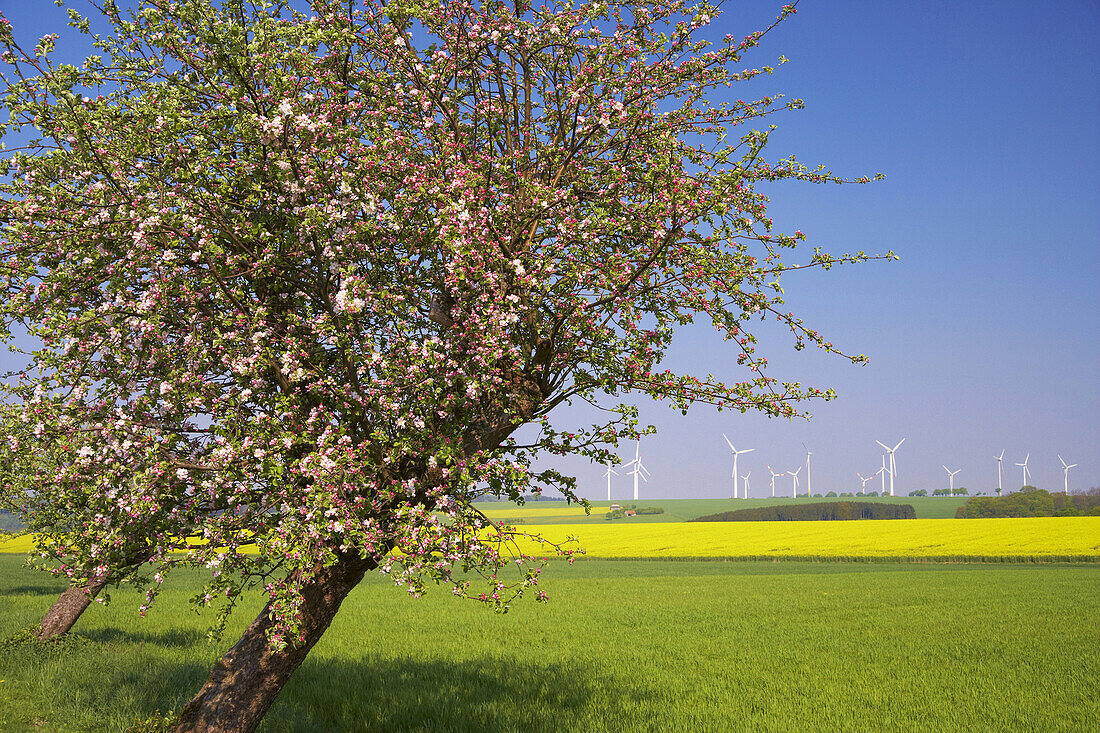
(919, 492)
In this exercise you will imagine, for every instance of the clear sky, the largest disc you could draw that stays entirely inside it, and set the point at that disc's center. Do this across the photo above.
(985, 118)
(985, 336)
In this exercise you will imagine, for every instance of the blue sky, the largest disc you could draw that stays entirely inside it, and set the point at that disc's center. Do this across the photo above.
(985, 118)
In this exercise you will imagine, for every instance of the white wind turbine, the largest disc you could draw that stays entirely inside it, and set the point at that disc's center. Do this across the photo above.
(951, 476)
(999, 459)
(735, 454)
(794, 483)
(893, 465)
(882, 472)
(1065, 470)
(809, 486)
(637, 469)
(1027, 474)
(608, 473)
(774, 474)
(745, 483)
(863, 487)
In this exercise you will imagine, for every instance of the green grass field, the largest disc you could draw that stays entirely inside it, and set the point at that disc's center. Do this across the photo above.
(622, 646)
(679, 510)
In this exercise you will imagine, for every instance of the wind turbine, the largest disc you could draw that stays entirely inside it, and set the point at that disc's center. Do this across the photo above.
(863, 487)
(1024, 466)
(794, 484)
(735, 454)
(951, 475)
(809, 486)
(608, 473)
(893, 466)
(637, 469)
(1065, 470)
(999, 458)
(774, 474)
(882, 472)
(745, 480)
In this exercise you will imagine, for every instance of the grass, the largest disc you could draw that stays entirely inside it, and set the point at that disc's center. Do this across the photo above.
(679, 510)
(622, 646)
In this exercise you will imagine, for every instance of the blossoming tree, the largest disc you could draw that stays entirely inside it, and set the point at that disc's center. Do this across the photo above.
(28, 465)
(299, 277)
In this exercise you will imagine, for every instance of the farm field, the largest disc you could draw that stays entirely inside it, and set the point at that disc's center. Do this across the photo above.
(679, 510)
(622, 646)
(1037, 538)
(1044, 539)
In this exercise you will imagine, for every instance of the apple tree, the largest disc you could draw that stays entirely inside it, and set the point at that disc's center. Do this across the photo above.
(300, 270)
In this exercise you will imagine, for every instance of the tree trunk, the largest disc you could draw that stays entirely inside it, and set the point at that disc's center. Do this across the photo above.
(245, 682)
(68, 607)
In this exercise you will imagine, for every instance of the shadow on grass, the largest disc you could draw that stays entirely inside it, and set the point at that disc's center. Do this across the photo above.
(169, 638)
(38, 589)
(135, 680)
(439, 695)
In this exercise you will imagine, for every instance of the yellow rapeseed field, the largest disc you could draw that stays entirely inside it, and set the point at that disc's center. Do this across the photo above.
(1038, 538)
(21, 543)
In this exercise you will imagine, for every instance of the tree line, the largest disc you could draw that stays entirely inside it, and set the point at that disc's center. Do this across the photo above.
(1030, 502)
(825, 511)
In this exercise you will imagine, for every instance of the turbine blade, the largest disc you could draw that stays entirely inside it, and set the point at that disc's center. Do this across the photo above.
(729, 443)
(883, 444)
(899, 443)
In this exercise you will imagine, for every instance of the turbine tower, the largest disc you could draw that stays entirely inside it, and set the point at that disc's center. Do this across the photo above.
(745, 483)
(794, 483)
(1065, 470)
(637, 469)
(1023, 465)
(809, 486)
(999, 458)
(882, 472)
(735, 454)
(608, 473)
(893, 465)
(951, 476)
(774, 474)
